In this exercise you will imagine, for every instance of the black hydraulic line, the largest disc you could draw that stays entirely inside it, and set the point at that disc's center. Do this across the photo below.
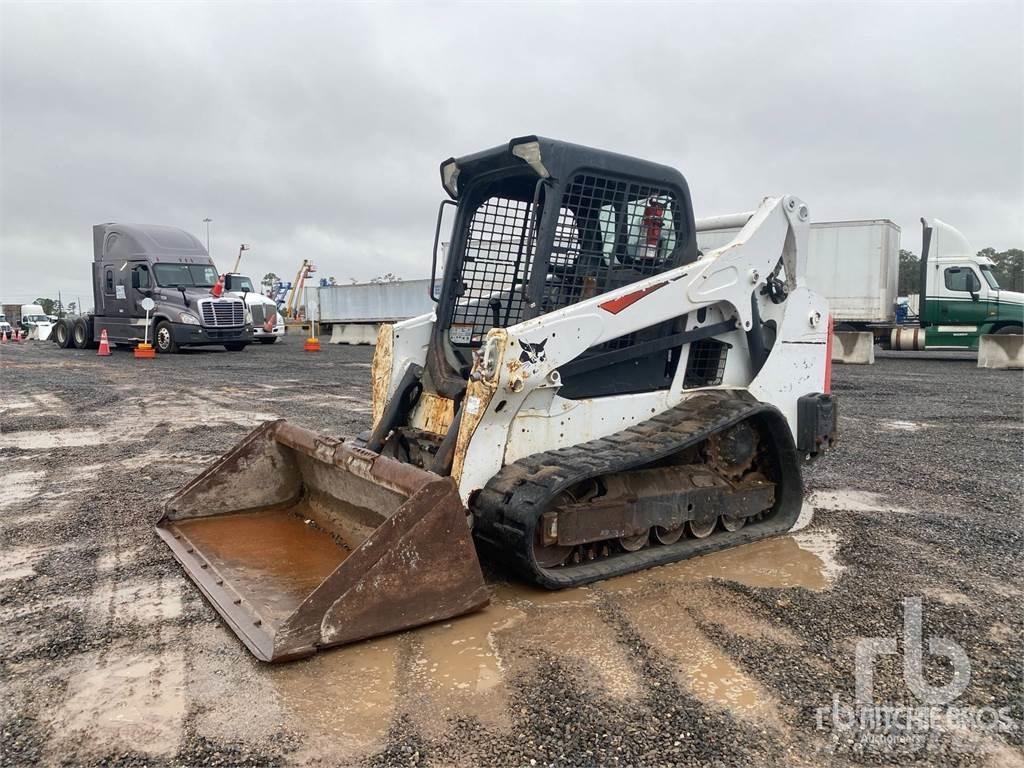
(398, 407)
(445, 456)
(755, 337)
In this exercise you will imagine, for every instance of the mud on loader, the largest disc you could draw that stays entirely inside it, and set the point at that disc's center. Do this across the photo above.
(591, 396)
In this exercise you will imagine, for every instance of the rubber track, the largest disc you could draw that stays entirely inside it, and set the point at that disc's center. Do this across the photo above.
(507, 510)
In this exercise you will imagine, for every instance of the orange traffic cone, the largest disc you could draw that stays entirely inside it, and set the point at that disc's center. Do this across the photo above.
(312, 344)
(145, 351)
(104, 349)
(3, 337)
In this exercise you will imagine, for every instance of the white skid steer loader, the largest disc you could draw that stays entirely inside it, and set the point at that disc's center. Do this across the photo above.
(591, 396)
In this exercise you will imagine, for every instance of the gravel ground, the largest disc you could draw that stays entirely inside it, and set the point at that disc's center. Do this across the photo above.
(110, 656)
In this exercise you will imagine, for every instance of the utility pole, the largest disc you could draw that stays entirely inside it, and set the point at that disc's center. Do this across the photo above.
(207, 221)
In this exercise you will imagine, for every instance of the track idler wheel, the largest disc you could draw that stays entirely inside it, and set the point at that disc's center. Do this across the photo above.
(635, 543)
(701, 529)
(669, 535)
(733, 523)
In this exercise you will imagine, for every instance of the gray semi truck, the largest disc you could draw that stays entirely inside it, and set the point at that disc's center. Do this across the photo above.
(168, 265)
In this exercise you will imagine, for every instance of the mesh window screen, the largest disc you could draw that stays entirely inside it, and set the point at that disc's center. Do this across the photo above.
(610, 233)
(495, 270)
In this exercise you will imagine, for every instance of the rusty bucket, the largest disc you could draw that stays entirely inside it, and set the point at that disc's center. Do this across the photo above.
(302, 542)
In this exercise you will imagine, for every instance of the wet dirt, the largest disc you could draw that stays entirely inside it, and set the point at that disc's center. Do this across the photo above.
(126, 700)
(109, 650)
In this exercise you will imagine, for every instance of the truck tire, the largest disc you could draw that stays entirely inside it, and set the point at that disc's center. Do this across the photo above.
(62, 334)
(163, 339)
(1011, 329)
(237, 346)
(271, 340)
(80, 335)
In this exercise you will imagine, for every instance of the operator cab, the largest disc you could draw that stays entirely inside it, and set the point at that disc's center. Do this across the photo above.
(542, 224)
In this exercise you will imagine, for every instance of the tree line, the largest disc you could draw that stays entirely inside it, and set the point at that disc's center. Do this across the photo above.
(1008, 268)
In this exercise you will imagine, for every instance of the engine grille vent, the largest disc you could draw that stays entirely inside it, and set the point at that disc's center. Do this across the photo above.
(218, 313)
(705, 365)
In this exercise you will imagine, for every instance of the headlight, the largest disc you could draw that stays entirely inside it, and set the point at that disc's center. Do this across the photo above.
(188, 319)
(248, 316)
(490, 357)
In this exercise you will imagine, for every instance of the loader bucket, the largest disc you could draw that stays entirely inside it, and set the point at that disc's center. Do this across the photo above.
(302, 542)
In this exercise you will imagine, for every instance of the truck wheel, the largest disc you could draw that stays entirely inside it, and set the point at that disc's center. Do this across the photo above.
(62, 334)
(1011, 329)
(237, 346)
(163, 339)
(271, 340)
(80, 335)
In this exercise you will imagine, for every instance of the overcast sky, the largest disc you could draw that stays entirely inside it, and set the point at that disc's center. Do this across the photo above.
(316, 130)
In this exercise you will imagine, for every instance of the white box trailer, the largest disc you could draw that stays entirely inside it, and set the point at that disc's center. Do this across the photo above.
(352, 314)
(856, 264)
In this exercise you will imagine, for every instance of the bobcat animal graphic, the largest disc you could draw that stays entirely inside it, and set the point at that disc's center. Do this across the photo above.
(532, 353)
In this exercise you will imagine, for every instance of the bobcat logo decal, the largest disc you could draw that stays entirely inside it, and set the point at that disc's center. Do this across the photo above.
(532, 353)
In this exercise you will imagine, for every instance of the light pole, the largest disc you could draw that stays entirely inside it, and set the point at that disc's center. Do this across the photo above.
(207, 221)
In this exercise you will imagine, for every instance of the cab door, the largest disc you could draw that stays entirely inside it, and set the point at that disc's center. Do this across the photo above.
(141, 288)
(964, 299)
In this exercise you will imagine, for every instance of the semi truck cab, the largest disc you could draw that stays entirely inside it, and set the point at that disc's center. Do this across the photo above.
(132, 262)
(962, 297)
(267, 321)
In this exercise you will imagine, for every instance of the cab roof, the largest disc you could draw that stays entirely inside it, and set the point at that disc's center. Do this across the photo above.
(557, 159)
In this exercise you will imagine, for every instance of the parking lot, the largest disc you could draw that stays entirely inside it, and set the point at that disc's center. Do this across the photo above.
(110, 655)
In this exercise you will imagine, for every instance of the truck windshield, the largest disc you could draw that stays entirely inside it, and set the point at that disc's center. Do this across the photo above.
(35, 319)
(986, 272)
(241, 284)
(185, 275)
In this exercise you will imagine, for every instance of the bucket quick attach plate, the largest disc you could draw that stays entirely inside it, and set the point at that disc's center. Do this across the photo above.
(302, 542)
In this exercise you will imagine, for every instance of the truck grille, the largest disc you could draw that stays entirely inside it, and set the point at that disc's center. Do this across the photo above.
(259, 313)
(222, 312)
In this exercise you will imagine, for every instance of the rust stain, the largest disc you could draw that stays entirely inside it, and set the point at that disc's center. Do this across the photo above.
(434, 413)
(474, 406)
(380, 370)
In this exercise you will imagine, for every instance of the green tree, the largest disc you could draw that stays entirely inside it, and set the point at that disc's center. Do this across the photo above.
(910, 273)
(48, 305)
(269, 279)
(1008, 267)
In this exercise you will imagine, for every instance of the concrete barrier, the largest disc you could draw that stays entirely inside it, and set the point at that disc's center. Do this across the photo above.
(354, 333)
(853, 348)
(1001, 350)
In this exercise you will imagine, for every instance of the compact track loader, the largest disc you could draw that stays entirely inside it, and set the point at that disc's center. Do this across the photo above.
(591, 396)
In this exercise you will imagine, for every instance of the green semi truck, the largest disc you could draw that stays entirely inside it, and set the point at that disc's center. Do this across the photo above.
(961, 299)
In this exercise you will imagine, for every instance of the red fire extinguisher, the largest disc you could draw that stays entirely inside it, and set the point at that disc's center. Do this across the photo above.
(653, 224)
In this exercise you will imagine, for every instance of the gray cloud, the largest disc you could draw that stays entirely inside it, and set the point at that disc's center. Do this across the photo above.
(316, 130)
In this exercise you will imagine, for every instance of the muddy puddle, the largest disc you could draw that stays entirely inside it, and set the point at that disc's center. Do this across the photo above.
(345, 697)
(806, 559)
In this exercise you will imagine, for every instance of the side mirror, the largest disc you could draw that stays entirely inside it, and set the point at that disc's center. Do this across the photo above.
(135, 279)
(184, 298)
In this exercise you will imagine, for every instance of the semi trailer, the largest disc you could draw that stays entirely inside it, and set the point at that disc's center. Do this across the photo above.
(856, 265)
(132, 262)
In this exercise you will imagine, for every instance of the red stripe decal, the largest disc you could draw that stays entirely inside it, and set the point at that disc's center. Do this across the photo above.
(614, 306)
